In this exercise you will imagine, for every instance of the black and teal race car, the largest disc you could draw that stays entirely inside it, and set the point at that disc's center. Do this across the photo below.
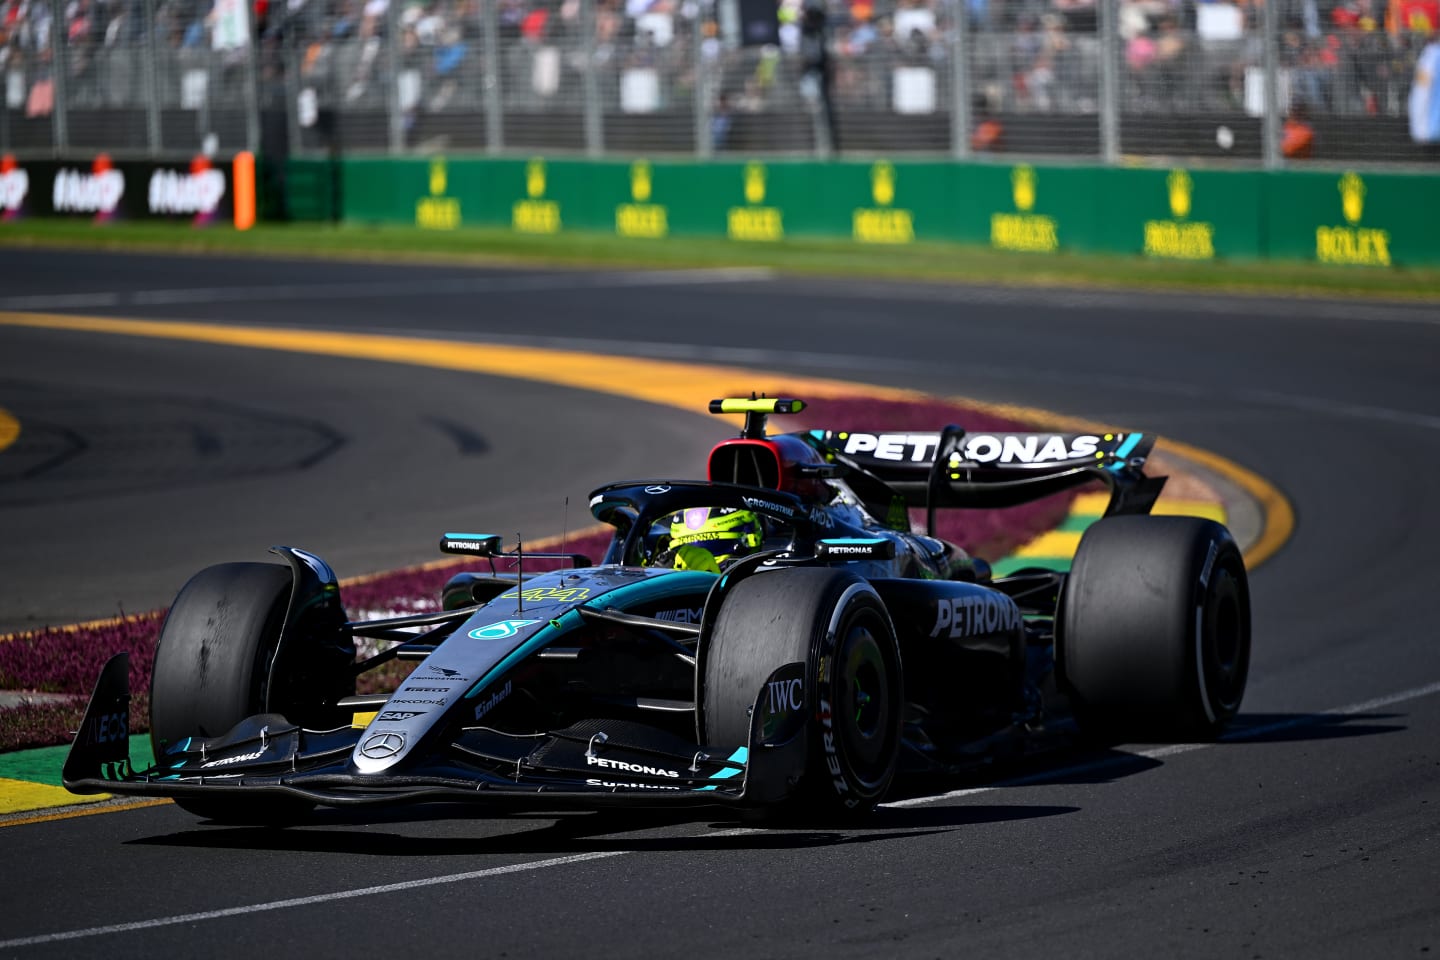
(827, 649)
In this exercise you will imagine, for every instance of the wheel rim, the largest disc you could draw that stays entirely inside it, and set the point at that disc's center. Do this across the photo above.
(865, 701)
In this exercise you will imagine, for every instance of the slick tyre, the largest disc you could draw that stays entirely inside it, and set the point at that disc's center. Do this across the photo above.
(835, 624)
(211, 669)
(1154, 629)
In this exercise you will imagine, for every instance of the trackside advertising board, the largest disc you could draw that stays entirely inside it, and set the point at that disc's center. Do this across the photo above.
(101, 190)
(1355, 219)
(1180, 214)
(1370, 220)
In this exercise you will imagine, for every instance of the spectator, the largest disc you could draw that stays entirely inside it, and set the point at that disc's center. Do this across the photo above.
(1297, 137)
(1079, 15)
(914, 16)
(450, 54)
(817, 65)
(1030, 70)
(720, 123)
(788, 17)
(861, 36)
(1424, 102)
(1338, 58)
(989, 133)
(1311, 65)
(1171, 51)
(1413, 16)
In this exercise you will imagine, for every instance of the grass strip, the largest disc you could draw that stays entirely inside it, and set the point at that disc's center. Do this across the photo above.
(923, 261)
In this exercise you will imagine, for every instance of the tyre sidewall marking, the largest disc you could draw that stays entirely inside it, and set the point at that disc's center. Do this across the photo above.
(826, 665)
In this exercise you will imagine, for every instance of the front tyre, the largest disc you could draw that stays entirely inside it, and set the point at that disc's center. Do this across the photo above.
(1154, 628)
(836, 624)
(212, 665)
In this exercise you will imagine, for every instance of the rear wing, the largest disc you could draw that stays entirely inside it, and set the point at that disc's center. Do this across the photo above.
(949, 468)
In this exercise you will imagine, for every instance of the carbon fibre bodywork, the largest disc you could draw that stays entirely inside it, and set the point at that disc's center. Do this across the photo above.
(588, 685)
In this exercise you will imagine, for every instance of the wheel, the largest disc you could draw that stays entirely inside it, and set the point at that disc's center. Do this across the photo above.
(1154, 628)
(836, 624)
(211, 669)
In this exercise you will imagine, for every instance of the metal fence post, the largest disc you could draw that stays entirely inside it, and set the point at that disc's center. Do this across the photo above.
(203, 123)
(393, 112)
(594, 131)
(59, 67)
(1270, 128)
(152, 82)
(960, 119)
(490, 45)
(704, 135)
(290, 85)
(252, 81)
(1109, 82)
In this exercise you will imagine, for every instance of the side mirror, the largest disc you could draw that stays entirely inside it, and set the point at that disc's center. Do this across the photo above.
(473, 544)
(845, 548)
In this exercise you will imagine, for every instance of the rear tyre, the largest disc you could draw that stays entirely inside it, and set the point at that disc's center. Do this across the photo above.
(212, 665)
(836, 624)
(1154, 628)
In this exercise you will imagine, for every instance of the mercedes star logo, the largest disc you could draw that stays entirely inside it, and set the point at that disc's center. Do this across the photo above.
(382, 746)
(657, 488)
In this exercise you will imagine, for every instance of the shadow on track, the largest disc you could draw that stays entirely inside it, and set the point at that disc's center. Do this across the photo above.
(1094, 765)
(1301, 727)
(330, 832)
(353, 830)
(1097, 765)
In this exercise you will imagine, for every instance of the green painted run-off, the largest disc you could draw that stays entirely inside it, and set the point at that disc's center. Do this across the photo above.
(43, 765)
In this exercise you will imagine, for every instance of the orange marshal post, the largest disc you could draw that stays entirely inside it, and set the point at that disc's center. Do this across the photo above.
(244, 190)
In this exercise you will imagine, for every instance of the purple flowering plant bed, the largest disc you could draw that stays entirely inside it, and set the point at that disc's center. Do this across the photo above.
(66, 660)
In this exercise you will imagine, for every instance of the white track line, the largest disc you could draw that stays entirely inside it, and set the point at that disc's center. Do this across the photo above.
(1362, 707)
(387, 288)
(306, 901)
(1302, 309)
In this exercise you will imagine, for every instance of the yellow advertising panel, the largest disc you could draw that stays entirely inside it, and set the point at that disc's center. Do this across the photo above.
(535, 214)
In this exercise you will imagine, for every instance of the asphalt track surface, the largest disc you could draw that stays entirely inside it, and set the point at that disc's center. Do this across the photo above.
(1314, 830)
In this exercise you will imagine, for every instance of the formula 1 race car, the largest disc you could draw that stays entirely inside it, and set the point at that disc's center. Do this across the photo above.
(775, 638)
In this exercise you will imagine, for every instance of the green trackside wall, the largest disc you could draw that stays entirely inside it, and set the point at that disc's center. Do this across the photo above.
(1366, 220)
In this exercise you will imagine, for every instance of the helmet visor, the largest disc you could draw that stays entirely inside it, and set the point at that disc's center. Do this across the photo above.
(724, 531)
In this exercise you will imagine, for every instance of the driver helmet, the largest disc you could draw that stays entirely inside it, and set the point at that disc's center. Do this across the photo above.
(702, 538)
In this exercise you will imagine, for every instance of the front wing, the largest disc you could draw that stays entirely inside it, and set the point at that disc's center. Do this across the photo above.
(590, 764)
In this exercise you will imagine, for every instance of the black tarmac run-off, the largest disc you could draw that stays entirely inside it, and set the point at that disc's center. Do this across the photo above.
(1318, 839)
